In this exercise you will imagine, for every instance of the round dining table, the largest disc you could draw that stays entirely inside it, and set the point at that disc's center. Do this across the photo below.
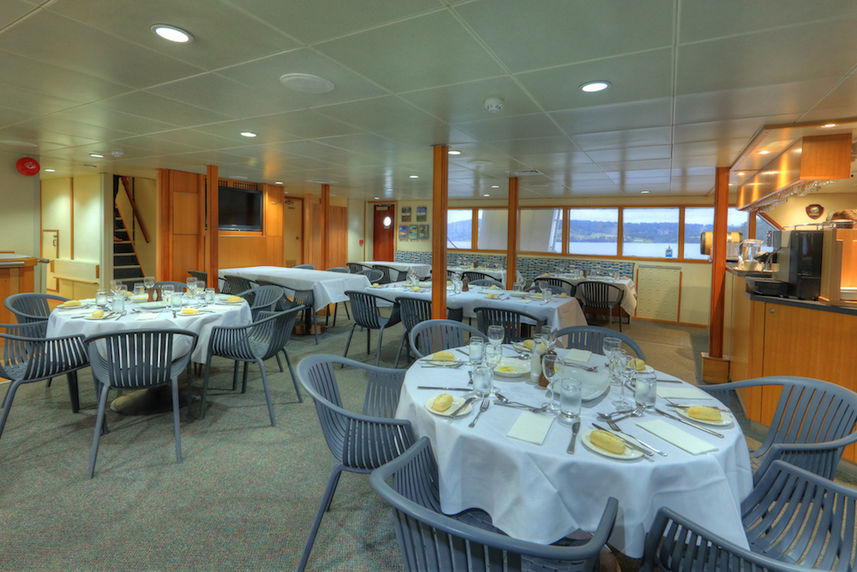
(537, 491)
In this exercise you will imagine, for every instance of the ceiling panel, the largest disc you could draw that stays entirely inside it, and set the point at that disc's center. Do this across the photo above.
(11, 10)
(151, 105)
(622, 139)
(281, 127)
(518, 127)
(840, 102)
(634, 115)
(466, 102)
(652, 153)
(99, 114)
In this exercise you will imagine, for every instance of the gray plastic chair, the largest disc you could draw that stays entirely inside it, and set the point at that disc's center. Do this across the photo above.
(597, 295)
(356, 267)
(234, 284)
(432, 540)
(592, 338)
(31, 307)
(342, 270)
(28, 356)
(374, 276)
(793, 519)
(360, 442)
(178, 286)
(137, 359)
(306, 298)
(813, 423)
(253, 343)
(415, 310)
(390, 274)
(472, 275)
(436, 335)
(199, 275)
(517, 325)
(262, 298)
(306, 266)
(364, 307)
(485, 282)
(556, 285)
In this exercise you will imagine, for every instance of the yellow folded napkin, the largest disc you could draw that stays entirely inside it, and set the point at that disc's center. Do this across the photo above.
(678, 437)
(531, 427)
(97, 314)
(681, 392)
(70, 304)
(189, 312)
(375, 285)
(234, 299)
(575, 354)
(443, 356)
(495, 287)
(415, 288)
(490, 295)
(562, 295)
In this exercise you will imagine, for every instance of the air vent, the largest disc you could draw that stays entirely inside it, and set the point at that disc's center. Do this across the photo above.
(527, 173)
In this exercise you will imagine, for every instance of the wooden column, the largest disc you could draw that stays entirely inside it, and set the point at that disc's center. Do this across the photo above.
(212, 244)
(512, 230)
(325, 225)
(440, 198)
(714, 367)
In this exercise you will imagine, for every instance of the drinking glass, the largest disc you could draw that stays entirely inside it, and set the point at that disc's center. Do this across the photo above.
(456, 286)
(476, 347)
(114, 285)
(167, 292)
(191, 286)
(118, 304)
(493, 355)
(176, 300)
(139, 289)
(101, 298)
(496, 334)
(610, 345)
(618, 372)
(209, 295)
(645, 390)
(149, 282)
(547, 293)
(549, 369)
(570, 399)
(483, 382)
(121, 290)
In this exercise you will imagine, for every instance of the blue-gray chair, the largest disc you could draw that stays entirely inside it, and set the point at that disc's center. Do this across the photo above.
(364, 308)
(177, 286)
(137, 359)
(389, 274)
(435, 335)
(601, 296)
(555, 285)
(254, 343)
(375, 276)
(199, 275)
(432, 540)
(28, 356)
(233, 284)
(486, 282)
(306, 298)
(30, 306)
(360, 442)
(793, 520)
(592, 338)
(813, 423)
(262, 298)
(342, 270)
(472, 275)
(517, 326)
(415, 310)
(306, 266)
(356, 267)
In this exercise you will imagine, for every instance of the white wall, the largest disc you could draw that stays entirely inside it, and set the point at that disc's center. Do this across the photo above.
(19, 215)
(356, 226)
(88, 217)
(793, 211)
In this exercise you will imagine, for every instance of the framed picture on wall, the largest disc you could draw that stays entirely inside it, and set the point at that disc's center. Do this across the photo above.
(412, 232)
(403, 232)
(406, 214)
(422, 232)
(421, 214)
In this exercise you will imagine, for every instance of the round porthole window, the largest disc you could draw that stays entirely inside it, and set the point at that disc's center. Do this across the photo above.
(387, 222)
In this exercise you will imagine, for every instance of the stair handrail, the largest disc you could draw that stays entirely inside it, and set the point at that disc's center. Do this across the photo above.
(125, 185)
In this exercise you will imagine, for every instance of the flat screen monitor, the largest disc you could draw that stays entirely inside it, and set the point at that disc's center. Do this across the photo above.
(239, 209)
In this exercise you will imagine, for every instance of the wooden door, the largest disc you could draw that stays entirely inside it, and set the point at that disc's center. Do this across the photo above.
(383, 233)
(50, 249)
(293, 231)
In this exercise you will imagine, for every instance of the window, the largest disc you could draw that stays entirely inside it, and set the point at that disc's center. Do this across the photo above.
(493, 229)
(763, 227)
(459, 229)
(699, 220)
(650, 232)
(540, 230)
(593, 231)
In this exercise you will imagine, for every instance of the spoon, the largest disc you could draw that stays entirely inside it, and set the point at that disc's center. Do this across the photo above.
(619, 415)
(506, 401)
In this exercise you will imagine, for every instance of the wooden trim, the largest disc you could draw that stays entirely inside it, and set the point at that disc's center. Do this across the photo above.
(620, 233)
(474, 228)
(440, 201)
(71, 217)
(771, 221)
(718, 263)
(164, 253)
(125, 181)
(212, 251)
(678, 311)
(133, 246)
(751, 225)
(680, 247)
(325, 224)
(512, 234)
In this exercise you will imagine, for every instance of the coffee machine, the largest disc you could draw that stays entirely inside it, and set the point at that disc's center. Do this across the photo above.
(799, 259)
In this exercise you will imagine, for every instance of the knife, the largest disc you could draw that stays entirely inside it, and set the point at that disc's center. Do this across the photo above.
(686, 422)
(467, 402)
(445, 388)
(646, 452)
(574, 429)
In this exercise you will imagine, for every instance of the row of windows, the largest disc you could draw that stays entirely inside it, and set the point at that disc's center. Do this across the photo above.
(647, 232)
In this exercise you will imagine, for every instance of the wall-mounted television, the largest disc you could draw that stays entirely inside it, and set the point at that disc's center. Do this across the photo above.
(239, 209)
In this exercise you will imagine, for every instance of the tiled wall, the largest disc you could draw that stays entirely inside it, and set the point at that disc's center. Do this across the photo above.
(528, 266)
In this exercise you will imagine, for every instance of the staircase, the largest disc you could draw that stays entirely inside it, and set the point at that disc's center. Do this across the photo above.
(126, 265)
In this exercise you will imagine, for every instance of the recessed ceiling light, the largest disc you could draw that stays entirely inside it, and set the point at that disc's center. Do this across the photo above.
(96, 155)
(240, 177)
(306, 83)
(829, 125)
(740, 173)
(172, 33)
(454, 152)
(278, 182)
(486, 195)
(764, 152)
(50, 170)
(495, 186)
(376, 198)
(413, 176)
(645, 192)
(594, 86)
(249, 134)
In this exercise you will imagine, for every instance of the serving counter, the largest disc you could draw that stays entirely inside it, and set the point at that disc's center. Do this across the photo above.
(16, 276)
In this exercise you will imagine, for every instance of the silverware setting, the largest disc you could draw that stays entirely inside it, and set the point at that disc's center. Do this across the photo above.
(467, 402)
(671, 403)
(482, 409)
(627, 441)
(690, 423)
(615, 426)
(444, 388)
(447, 364)
(574, 430)
(589, 368)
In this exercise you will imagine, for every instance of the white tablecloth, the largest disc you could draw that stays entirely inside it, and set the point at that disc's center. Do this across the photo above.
(328, 287)
(496, 274)
(540, 493)
(558, 313)
(64, 323)
(421, 270)
(629, 300)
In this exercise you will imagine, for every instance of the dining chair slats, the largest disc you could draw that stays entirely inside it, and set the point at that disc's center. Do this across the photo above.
(486, 282)
(388, 273)
(517, 326)
(431, 540)
(365, 310)
(592, 338)
(31, 306)
(360, 442)
(199, 275)
(432, 336)
(356, 267)
(597, 295)
(415, 310)
(556, 285)
(177, 286)
(374, 275)
(233, 284)
(472, 275)
(262, 298)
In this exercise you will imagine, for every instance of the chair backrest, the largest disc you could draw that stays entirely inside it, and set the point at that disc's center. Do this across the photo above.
(341, 269)
(556, 285)
(233, 284)
(360, 441)
(592, 338)
(178, 286)
(199, 275)
(30, 306)
(29, 355)
(262, 339)
(517, 325)
(413, 311)
(435, 335)
(386, 278)
(431, 540)
(262, 297)
(134, 359)
(356, 267)
(485, 282)
(472, 275)
(364, 308)
(601, 295)
(306, 266)
(451, 274)
(793, 520)
(374, 276)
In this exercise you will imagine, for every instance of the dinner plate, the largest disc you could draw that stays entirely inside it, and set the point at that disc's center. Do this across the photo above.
(225, 300)
(456, 402)
(725, 420)
(518, 293)
(82, 305)
(594, 384)
(443, 362)
(101, 318)
(517, 367)
(630, 452)
(152, 305)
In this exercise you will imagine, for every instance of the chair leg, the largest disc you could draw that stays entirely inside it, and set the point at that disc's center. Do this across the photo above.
(267, 392)
(205, 385)
(399, 352)
(380, 339)
(244, 379)
(99, 420)
(368, 341)
(235, 376)
(347, 313)
(315, 326)
(294, 379)
(7, 404)
(335, 310)
(73, 392)
(279, 363)
(323, 507)
(175, 391)
(348, 343)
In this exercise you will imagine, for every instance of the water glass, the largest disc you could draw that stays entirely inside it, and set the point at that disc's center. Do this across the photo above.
(456, 286)
(549, 369)
(139, 289)
(496, 334)
(149, 282)
(547, 293)
(118, 304)
(176, 300)
(618, 370)
(476, 347)
(645, 390)
(167, 291)
(209, 295)
(483, 381)
(493, 355)
(610, 345)
(101, 298)
(570, 399)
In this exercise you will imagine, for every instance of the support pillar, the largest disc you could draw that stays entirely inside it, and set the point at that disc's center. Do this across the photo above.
(211, 247)
(440, 199)
(512, 236)
(325, 225)
(715, 368)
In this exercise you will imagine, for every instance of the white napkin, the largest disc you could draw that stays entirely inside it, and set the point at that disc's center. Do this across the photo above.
(219, 308)
(676, 436)
(74, 311)
(146, 316)
(575, 354)
(682, 392)
(531, 427)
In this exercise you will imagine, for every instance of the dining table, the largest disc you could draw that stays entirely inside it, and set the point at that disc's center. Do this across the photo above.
(498, 274)
(559, 312)
(514, 463)
(421, 270)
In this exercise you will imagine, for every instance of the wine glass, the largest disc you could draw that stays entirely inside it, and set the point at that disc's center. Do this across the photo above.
(114, 286)
(191, 285)
(549, 369)
(618, 372)
(496, 333)
(148, 283)
(167, 291)
(493, 356)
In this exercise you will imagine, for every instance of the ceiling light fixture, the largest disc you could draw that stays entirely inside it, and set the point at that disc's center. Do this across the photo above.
(740, 173)
(495, 186)
(829, 125)
(764, 152)
(306, 83)
(96, 155)
(50, 170)
(240, 177)
(594, 86)
(454, 152)
(278, 182)
(377, 198)
(249, 134)
(493, 104)
(486, 195)
(413, 176)
(645, 192)
(172, 33)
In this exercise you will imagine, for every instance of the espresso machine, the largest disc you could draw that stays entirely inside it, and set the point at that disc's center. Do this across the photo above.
(799, 259)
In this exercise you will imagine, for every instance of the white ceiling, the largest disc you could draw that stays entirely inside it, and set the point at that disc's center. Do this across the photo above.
(692, 81)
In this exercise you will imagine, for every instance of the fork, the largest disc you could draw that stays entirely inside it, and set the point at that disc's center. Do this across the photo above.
(482, 408)
(680, 406)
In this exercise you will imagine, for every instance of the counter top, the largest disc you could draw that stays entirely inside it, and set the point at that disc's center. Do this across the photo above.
(809, 304)
(751, 273)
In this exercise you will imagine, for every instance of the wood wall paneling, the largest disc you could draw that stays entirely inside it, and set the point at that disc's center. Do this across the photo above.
(338, 239)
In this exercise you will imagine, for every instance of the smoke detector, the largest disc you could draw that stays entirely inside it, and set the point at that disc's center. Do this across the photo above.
(493, 104)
